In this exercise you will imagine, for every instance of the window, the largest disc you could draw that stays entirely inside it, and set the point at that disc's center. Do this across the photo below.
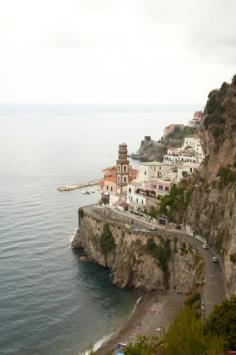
(160, 187)
(137, 200)
(167, 188)
(145, 173)
(129, 189)
(124, 168)
(125, 179)
(118, 178)
(111, 188)
(107, 187)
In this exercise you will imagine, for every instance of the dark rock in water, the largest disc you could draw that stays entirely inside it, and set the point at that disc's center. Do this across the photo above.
(150, 150)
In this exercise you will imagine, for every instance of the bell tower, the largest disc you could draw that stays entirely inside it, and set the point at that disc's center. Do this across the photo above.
(122, 169)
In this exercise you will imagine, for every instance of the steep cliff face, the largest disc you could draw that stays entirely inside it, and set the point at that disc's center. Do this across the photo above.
(212, 211)
(140, 261)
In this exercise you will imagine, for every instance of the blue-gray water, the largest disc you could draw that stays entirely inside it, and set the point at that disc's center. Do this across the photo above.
(50, 303)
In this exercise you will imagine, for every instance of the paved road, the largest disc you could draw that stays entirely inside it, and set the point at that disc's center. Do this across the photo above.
(214, 288)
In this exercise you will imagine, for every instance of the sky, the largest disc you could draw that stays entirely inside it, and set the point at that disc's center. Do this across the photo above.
(115, 51)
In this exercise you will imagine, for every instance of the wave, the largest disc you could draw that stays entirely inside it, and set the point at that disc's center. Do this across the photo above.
(104, 339)
(99, 343)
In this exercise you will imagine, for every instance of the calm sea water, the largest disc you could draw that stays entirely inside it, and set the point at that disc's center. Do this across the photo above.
(50, 303)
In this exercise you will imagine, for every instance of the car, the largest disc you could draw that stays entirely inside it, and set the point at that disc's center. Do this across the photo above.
(215, 259)
(205, 246)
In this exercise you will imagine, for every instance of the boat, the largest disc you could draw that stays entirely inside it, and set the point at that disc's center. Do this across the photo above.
(85, 192)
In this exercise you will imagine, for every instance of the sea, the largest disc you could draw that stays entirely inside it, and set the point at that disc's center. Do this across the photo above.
(50, 301)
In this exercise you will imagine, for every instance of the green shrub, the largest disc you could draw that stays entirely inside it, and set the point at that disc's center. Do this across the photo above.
(81, 212)
(227, 175)
(143, 346)
(174, 205)
(234, 80)
(233, 258)
(194, 301)
(107, 242)
(222, 322)
(183, 248)
(186, 336)
(161, 253)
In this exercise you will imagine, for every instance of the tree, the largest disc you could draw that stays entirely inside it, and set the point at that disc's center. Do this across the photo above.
(107, 242)
(222, 322)
(143, 346)
(234, 79)
(186, 337)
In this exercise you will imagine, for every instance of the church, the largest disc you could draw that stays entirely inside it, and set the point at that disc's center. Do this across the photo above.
(115, 179)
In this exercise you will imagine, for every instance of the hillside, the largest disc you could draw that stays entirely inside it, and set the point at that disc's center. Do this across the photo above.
(212, 209)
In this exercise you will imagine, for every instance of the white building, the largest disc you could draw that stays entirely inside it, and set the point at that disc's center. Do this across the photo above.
(194, 143)
(185, 169)
(134, 197)
(152, 170)
(190, 152)
(154, 179)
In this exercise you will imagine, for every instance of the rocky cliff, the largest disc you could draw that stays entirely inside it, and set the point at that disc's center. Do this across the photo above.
(143, 262)
(212, 210)
(150, 150)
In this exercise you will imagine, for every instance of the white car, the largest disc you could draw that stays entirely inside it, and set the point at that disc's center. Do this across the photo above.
(205, 246)
(215, 259)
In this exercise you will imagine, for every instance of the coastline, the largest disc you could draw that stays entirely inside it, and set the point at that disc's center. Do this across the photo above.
(151, 315)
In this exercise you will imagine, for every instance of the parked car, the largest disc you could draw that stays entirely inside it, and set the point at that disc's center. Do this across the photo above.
(215, 259)
(205, 246)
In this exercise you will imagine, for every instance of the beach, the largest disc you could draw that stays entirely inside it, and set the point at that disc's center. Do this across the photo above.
(151, 316)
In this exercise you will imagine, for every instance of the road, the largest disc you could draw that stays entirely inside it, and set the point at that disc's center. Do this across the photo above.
(214, 290)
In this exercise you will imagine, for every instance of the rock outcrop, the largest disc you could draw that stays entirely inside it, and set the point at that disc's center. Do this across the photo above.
(212, 211)
(150, 150)
(140, 261)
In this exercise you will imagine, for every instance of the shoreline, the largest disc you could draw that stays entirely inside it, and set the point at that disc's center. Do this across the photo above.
(150, 316)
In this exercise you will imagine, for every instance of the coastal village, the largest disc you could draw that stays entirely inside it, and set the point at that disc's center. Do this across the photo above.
(147, 230)
(140, 190)
(144, 248)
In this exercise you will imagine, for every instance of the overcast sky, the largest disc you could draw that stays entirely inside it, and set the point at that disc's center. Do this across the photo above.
(115, 51)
